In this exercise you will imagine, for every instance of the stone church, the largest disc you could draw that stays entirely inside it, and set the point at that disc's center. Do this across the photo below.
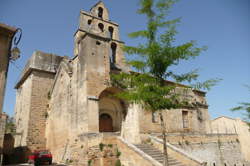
(66, 105)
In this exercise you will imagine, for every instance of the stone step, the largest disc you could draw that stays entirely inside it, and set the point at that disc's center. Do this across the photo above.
(158, 155)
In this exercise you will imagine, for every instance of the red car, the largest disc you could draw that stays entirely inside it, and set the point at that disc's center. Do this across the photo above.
(42, 156)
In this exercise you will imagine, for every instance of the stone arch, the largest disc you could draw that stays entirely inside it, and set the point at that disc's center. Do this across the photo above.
(114, 107)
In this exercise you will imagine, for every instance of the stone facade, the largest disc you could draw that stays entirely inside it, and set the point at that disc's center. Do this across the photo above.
(33, 91)
(225, 125)
(67, 105)
(215, 149)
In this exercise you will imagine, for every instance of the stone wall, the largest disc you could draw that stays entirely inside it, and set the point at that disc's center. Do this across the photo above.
(3, 119)
(59, 123)
(41, 84)
(22, 112)
(33, 92)
(219, 149)
(236, 126)
(6, 35)
(174, 121)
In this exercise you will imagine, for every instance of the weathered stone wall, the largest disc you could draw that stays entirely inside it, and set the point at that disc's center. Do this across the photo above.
(59, 125)
(174, 121)
(22, 112)
(41, 84)
(219, 149)
(6, 35)
(235, 126)
(3, 119)
(32, 100)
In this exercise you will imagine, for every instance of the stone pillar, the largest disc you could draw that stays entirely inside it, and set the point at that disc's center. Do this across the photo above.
(93, 114)
(130, 127)
(6, 35)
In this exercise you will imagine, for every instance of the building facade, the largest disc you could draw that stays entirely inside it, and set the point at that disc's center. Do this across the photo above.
(6, 36)
(67, 105)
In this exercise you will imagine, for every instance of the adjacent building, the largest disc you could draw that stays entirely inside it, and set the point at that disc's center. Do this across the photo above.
(6, 35)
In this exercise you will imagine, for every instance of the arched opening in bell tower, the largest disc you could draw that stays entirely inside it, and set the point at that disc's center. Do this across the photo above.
(113, 49)
(101, 27)
(111, 31)
(100, 12)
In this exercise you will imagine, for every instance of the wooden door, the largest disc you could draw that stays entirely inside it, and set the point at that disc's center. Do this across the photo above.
(105, 123)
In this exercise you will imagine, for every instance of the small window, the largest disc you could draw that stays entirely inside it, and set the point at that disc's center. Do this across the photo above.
(113, 53)
(214, 164)
(100, 12)
(225, 164)
(111, 31)
(154, 117)
(101, 27)
(89, 22)
(185, 119)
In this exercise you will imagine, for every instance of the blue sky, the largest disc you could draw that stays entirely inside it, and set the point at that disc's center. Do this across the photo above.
(222, 25)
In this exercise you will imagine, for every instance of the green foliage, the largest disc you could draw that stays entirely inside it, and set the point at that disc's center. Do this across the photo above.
(244, 106)
(10, 126)
(154, 58)
(118, 153)
(89, 162)
(118, 163)
(110, 145)
(101, 146)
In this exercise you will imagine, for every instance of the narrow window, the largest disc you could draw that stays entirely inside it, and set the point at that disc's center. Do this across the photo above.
(234, 164)
(185, 119)
(100, 12)
(214, 164)
(89, 22)
(225, 164)
(101, 26)
(113, 53)
(154, 117)
(111, 31)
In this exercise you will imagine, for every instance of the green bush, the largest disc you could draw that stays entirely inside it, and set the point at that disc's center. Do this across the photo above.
(101, 146)
(118, 163)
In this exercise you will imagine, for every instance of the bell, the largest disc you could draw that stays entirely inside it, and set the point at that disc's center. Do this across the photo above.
(15, 53)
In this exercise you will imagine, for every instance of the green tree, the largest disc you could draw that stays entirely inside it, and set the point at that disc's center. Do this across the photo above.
(10, 125)
(151, 63)
(244, 106)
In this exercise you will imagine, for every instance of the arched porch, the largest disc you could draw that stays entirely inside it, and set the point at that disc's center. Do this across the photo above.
(111, 111)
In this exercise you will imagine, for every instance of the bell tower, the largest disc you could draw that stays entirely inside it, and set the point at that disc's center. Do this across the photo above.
(98, 50)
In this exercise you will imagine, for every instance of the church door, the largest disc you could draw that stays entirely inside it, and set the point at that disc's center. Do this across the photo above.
(105, 123)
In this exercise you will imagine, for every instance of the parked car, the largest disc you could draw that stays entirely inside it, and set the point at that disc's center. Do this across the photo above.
(40, 157)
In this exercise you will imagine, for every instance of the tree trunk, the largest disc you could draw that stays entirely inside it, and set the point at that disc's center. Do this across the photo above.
(165, 150)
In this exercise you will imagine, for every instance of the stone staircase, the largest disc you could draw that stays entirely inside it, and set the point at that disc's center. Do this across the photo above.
(157, 155)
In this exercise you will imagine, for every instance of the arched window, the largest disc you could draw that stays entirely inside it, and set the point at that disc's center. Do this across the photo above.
(100, 12)
(101, 26)
(113, 53)
(111, 31)
(214, 164)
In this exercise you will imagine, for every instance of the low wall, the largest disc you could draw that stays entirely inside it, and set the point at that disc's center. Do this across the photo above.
(215, 149)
